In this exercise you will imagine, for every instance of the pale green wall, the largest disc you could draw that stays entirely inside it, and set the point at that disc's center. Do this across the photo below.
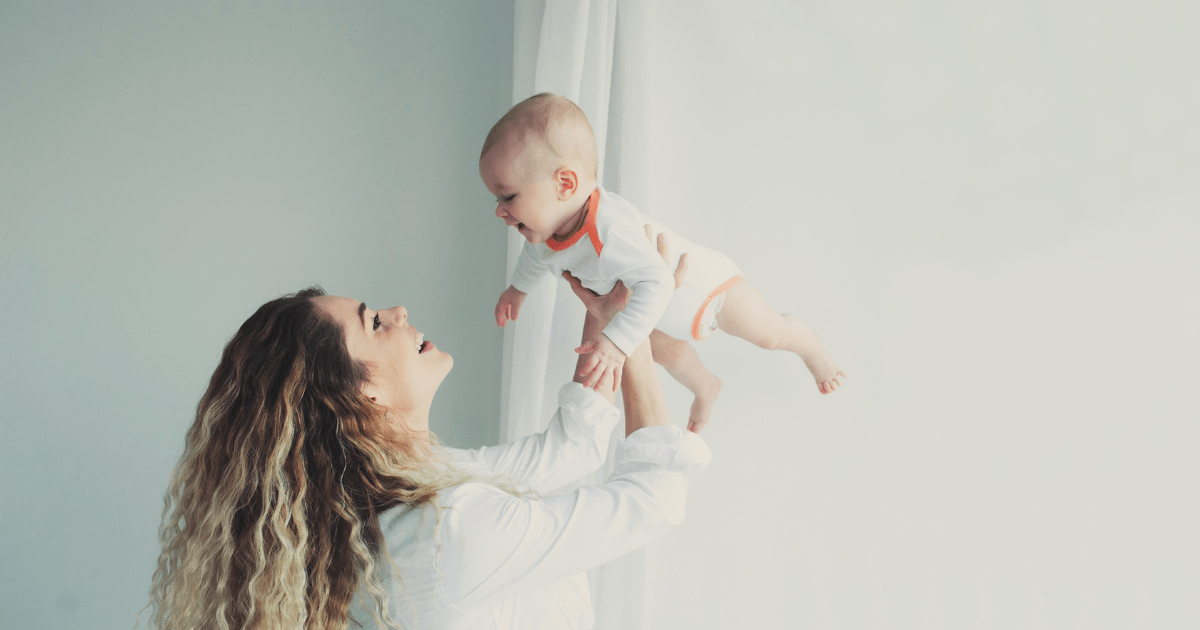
(166, 169)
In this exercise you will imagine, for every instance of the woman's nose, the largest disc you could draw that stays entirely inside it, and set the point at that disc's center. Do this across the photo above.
(401, 313)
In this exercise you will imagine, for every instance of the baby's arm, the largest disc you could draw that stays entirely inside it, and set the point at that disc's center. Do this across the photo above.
(633, 259)
(630, 256)
(526, 275)
(509, 305)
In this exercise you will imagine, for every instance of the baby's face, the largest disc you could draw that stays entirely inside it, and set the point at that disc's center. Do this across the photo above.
(525, 195)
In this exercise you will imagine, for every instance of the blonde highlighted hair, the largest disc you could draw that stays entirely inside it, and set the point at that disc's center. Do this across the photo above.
(552, 120)
(271, 517)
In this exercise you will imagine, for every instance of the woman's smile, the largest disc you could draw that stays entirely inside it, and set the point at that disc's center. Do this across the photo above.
(384, 342)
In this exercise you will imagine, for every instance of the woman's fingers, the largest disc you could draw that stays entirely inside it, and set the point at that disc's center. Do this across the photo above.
(586, 295)
(681, 270)
(664, 250)
(603, 307)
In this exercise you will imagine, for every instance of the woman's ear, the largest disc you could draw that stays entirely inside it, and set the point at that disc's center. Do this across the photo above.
(374, 393)
(566, 183)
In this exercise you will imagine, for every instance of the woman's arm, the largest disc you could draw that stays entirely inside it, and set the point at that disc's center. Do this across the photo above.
(641, 391)
(498, 545)
(495, 545)
(574, 444)
(576, 441)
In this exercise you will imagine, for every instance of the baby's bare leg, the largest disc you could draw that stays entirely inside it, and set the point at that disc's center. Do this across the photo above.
(747, 314)
(682, 362)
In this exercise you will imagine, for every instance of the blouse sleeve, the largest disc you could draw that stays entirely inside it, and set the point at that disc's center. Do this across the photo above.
(496, 545)
(575, 443)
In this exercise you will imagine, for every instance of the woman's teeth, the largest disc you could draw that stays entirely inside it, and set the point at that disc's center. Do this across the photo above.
(420, 339)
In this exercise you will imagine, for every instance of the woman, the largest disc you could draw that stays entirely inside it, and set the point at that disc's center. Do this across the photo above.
(310, 493)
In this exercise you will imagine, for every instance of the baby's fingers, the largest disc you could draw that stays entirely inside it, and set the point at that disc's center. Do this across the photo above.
(591, 365)
(605, 373)
(594, 378)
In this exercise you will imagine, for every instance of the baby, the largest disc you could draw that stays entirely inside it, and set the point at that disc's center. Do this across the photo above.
(539, 160)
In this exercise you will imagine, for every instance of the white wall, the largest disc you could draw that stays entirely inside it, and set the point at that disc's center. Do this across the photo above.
(991, 215)
(164, 170)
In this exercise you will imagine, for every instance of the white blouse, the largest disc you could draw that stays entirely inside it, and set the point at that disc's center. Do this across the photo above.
(497, 561)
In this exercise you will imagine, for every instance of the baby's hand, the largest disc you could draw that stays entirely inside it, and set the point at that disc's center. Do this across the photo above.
(509, 305)
(606, 359)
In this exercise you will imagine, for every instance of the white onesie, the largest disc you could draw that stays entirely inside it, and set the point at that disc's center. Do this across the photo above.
(612, 246)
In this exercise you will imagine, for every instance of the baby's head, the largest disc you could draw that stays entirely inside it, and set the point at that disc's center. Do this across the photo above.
(539, 160)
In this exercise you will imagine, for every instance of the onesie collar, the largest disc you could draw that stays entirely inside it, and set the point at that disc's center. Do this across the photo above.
(589, 228)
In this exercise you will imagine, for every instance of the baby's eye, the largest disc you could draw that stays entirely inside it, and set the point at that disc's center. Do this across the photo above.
(375, 323)
(507, 199)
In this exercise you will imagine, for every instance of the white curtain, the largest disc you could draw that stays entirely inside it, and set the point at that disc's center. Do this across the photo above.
(597, 53)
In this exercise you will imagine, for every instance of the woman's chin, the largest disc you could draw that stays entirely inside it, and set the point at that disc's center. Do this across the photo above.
(449, 360)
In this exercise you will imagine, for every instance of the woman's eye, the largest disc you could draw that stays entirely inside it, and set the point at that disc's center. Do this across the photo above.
(375, 323)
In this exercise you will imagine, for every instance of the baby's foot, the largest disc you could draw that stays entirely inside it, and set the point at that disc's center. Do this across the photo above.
(702, 406)
(827, 374)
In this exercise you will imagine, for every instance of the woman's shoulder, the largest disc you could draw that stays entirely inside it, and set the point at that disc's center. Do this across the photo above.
(409, 528)
(468, 490)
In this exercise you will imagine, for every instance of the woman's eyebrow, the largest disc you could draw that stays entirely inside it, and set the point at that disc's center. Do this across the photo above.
(362, 307)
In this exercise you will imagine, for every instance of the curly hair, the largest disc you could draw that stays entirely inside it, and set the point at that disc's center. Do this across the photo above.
(271, 517)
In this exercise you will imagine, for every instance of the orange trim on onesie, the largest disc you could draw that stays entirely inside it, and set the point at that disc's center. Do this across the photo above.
(708, 300)
(589, 228)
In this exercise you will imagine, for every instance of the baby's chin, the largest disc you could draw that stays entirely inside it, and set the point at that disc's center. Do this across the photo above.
(529, 235)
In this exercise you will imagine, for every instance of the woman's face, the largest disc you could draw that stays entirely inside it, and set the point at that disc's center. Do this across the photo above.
(405, 371)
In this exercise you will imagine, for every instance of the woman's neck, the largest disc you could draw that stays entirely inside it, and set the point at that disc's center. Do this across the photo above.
(413, 423)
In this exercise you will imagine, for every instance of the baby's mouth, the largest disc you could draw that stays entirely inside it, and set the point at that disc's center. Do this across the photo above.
(520, 226)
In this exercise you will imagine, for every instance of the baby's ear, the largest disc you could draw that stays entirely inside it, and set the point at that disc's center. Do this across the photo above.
(566, 182)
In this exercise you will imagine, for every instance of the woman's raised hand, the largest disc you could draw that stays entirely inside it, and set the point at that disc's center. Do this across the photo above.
(665, 252)
(605, 307)
(600, 375)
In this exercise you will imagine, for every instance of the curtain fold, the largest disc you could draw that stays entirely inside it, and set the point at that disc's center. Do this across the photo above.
(597, 53)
